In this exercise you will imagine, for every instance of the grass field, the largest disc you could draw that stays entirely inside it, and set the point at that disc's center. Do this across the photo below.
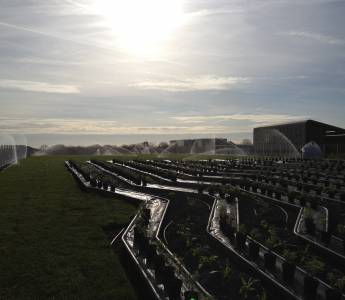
(52, 245)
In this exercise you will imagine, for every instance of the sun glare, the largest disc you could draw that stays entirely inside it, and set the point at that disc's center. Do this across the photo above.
(141, 27)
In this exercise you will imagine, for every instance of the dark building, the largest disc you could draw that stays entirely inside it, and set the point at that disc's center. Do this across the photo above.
(335, 144)
(288, 139)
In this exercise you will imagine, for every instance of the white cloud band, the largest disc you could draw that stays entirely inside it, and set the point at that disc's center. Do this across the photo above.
(39, 87)
(201, 83)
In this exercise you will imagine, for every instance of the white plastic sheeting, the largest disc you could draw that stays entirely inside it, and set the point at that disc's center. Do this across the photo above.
(311, 150)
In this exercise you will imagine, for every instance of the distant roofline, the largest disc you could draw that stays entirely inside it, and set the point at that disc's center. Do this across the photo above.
(336, 135)
(286, 123)
(299, 122)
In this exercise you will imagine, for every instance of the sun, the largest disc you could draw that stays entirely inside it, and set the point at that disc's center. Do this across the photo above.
(141, 27)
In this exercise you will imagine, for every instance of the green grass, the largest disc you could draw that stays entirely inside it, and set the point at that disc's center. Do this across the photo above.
(52, 245)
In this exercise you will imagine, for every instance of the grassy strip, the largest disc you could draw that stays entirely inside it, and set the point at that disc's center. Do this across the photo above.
(52, 245)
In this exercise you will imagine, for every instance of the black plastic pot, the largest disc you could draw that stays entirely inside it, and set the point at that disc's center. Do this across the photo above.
(144, 247)
(270, 261)
(226, 229)
(230, 199)
(168, 275)
(105, 185)
(331, 194)
(310, 287)
(325, 237)
(150, 254)
(93, 182)
(314, 203)
(138, 238)
(173, 288)
(302, 201)
(309, 225)
(159, 265)
(253, 250)
(240, 239)
(342, 196)
(288, 271)
(191, 261)
(333, 294)
(146, 213)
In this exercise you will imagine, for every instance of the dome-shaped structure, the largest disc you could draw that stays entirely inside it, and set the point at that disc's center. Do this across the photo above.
(311, 150)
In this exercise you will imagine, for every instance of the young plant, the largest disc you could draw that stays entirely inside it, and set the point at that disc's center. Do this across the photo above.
(248, 288)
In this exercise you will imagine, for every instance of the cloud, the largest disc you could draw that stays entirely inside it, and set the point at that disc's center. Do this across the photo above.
(63, 37)
(40, 87)
(201, 83)
(82, 126)
(212, 12)
(317, 37)
(259, 118)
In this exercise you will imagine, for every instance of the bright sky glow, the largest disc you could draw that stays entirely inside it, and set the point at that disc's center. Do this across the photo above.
(141, 27)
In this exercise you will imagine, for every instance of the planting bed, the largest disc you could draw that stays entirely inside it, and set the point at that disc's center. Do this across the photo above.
(271, 217)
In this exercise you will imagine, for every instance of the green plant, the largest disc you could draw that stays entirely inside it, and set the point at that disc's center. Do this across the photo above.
(340, 283)
(248, 287)
(263, 295)
(336, 279)
(256, 234)
(197, 251)
(243, 228)
(205, 261)
(308, 213)
(264, 224)
(315, 266)
(341, 229)
(227, 271)
(273, 240)
(290, 256)
(304, 254)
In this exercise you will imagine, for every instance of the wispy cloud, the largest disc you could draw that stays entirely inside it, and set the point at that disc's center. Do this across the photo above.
(62, 37)
(82, 126)
(317, 37)
(40, 87)
(212, 12)
(201, 83)
(259, 118)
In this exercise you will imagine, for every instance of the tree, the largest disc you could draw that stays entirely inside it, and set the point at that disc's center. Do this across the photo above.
(246, 142)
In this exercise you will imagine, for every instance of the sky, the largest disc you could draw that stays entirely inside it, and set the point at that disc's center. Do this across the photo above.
(169, 67)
